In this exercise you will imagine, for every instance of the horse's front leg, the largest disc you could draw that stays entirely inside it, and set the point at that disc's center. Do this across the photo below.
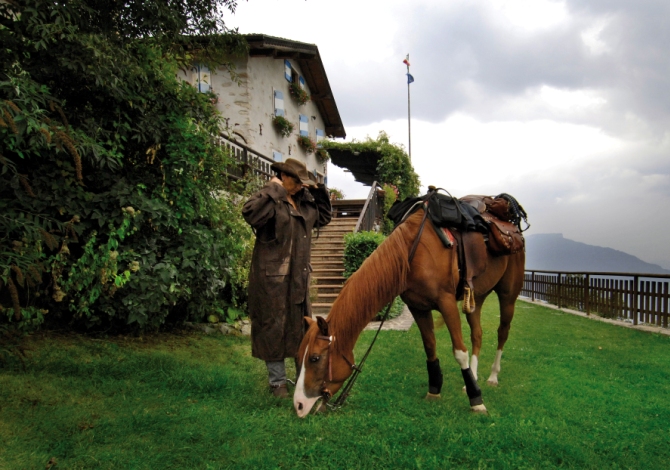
(451, 315)
(424, 320)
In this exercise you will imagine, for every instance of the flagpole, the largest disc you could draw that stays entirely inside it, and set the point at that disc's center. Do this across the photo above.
(409, 119)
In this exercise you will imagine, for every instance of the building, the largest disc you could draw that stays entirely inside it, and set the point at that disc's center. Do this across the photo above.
(262, 91)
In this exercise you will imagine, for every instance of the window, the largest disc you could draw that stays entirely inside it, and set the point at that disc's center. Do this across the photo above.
(277, 156)
(288, 70)
(201, 78)
(304, 125)
(279, 103)
(320, 135)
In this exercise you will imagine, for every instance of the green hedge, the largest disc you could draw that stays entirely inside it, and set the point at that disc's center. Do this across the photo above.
(357, 247)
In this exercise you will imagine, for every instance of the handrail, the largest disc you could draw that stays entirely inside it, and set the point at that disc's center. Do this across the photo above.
(368, 206)
(598, 273)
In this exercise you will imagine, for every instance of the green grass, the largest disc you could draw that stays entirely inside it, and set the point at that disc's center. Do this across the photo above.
(201, 402)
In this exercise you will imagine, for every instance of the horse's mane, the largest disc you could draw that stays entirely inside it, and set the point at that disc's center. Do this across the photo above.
(381, 277)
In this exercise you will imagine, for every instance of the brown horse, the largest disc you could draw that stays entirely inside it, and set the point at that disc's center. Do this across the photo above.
(326, 358)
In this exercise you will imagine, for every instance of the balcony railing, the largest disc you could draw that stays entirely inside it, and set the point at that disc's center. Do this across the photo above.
(247, 161)
(635, 297)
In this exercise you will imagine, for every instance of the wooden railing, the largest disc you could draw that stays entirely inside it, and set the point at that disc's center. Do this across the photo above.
(247, 161)
(640, 298)
(373, 211)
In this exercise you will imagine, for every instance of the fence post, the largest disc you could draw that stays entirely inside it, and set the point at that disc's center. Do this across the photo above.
(636, 300)
(587, 305)
(559, 290)
(532, 286)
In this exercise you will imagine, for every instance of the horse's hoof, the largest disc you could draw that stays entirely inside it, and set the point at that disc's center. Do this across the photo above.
(480, 409)
(464, 390)
(432, 396)
(492, 383)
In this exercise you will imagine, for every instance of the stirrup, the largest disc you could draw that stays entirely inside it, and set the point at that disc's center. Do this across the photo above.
(468, 300)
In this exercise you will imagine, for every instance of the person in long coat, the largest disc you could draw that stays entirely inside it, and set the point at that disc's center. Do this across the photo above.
(283, 215)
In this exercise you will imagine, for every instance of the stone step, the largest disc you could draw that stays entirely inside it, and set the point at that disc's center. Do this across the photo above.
(327, 297)
(327, 288)
(328, 253)
(318, 266)
(320, 260)
(329, 279)
(328, 272)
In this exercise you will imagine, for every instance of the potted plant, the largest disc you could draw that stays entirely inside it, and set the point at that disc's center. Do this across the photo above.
(299, 93)
(308, 144)
(283, 125)
(322, 155)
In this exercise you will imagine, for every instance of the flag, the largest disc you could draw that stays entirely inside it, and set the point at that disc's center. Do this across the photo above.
(406, 61)
(410, 79)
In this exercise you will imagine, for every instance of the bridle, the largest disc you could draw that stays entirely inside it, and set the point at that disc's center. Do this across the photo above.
(325, 393)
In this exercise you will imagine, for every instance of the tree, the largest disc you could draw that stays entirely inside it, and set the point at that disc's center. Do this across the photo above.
(110, 165)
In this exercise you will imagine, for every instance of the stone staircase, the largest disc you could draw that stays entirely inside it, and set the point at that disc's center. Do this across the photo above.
(327, 255)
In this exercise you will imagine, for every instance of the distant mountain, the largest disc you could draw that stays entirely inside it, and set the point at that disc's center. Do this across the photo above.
(552, 252)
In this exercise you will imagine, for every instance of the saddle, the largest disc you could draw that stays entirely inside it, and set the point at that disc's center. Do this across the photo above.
(464, 223)
(503, 214)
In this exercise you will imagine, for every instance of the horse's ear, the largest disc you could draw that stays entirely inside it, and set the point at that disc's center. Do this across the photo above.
(308, 322)
(323, 326)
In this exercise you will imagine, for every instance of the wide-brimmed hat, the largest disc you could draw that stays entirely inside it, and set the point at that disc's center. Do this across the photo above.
(295, 168)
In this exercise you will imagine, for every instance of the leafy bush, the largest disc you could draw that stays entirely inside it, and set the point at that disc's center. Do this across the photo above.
(390, 196)
(394, 166)
(336, 194)
(357, 247)
(114, 210)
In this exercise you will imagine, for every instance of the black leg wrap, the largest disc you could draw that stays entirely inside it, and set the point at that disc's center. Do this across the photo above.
(434, 377)
(471, 387)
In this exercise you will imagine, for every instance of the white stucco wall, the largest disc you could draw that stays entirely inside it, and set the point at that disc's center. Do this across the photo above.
(247, 108)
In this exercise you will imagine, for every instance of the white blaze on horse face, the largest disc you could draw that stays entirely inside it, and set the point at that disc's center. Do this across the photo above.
(301, 402)
(495, 369)
(461, 358)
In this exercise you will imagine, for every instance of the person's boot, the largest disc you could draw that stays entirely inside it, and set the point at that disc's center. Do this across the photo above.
(279, 391)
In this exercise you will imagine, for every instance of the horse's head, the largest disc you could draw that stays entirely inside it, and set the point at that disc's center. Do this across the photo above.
(322, 368)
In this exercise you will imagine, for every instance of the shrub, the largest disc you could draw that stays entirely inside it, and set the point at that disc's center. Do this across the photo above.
(393, 167)
(357, 247)
(336, 194)
(110, 169)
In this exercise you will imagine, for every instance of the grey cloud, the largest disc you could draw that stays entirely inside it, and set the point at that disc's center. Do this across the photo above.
(449, 49)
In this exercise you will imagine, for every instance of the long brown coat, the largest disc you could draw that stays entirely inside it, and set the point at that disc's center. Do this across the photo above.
(280, 270)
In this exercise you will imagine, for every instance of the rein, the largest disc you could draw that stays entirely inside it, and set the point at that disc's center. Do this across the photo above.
(344, 393)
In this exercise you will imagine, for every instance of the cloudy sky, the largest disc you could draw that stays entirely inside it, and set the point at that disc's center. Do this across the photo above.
(563, 104)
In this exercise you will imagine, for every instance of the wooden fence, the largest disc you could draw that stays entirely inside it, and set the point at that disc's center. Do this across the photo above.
(640, 298)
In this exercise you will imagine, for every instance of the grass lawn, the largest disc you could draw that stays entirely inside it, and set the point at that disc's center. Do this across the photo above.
(573, 393)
